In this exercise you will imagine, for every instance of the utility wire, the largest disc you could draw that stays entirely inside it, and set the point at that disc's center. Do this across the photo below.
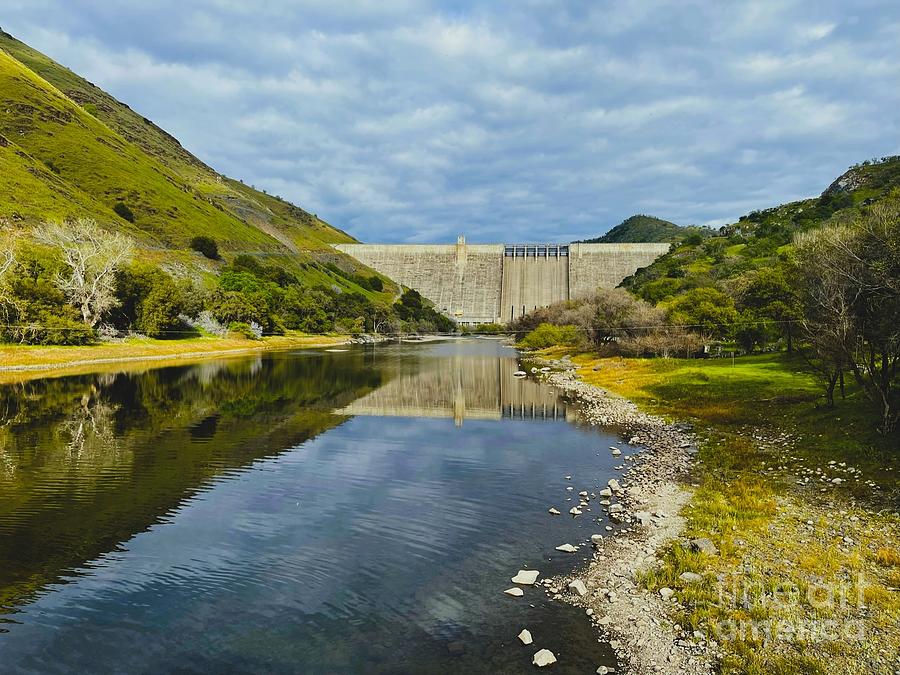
(501, 332)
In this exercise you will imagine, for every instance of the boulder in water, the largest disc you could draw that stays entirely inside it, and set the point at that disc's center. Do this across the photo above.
(526, 577)
(543, 658)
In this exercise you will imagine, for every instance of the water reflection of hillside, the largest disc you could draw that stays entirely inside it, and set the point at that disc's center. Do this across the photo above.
(88, 461)
(460, 387)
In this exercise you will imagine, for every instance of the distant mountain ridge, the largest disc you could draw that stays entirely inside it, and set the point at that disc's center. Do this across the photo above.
(642, 229)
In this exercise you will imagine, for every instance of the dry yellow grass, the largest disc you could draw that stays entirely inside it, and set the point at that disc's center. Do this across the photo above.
(888, 556)
(21, 362)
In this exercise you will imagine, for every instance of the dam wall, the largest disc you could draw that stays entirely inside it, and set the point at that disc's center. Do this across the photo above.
(593, 266)
(487, 283)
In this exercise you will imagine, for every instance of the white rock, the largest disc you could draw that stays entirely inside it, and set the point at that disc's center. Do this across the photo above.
(616, 452)
(575, 511)
(666, 593)
(525, 637)
(515, 592)
(605, 492)
(578, 587)
(526, 577)
(567, 548)
(553, 511)
(543, 658)
(597, 539)
(614, 485)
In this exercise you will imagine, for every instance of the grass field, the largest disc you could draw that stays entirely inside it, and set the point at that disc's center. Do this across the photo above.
(24, 362)
(764, 493)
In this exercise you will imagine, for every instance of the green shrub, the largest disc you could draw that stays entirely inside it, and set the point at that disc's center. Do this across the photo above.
(149, 301)
(122, 210)
(487, 329)
(51, 329)
(206, 246)
(419, 315)
(242, 330)
(303, 309)
(548, 335)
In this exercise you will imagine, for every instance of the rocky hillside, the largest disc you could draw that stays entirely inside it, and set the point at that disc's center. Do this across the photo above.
(69, 149)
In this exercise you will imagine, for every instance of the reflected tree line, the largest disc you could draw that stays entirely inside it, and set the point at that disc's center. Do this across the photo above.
(87, 462)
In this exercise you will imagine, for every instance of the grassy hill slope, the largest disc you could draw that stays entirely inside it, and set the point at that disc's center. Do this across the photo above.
(762, 239)
(70, 149)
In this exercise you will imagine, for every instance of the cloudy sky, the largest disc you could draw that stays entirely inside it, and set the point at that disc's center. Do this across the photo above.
(512, 120)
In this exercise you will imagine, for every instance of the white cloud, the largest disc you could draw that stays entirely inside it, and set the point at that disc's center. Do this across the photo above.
(408, 120)
(817, 31)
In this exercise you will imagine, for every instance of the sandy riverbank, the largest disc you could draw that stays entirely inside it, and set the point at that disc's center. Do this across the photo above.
(650, 493)
(21, 362)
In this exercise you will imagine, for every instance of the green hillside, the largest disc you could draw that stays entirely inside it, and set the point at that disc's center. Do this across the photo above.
(69, 149)
(643, 229)
(762, 240)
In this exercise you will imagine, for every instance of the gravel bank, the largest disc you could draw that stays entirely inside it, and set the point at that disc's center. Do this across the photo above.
(651, 493)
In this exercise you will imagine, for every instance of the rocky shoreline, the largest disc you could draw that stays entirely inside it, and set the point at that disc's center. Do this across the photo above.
(643, 505)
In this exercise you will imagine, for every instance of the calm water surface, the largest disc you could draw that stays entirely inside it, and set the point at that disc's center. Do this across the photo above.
(315, 512)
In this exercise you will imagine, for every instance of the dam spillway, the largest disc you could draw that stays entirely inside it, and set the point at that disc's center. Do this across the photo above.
(496, 283)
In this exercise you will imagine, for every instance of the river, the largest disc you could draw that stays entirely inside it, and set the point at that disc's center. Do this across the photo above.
(312, 511)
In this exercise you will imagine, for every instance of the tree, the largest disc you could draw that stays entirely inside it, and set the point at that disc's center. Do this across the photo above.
(91, 256)
(305, 309)
(766, 296)
(122, 210)
(851, 294)
(149, 301)
(206, 246)
(7, 263)
(750, 332)
(705, 310)
(418, 313)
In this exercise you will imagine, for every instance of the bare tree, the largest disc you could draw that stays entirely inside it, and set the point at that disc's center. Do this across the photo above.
(92, 256)
(7, 264)
(7, 254)
(851, 294)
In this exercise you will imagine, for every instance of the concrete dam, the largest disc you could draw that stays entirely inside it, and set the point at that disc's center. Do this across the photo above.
(496, 283)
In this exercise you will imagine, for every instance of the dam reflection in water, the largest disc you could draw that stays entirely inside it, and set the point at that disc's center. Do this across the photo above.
(455, 382)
